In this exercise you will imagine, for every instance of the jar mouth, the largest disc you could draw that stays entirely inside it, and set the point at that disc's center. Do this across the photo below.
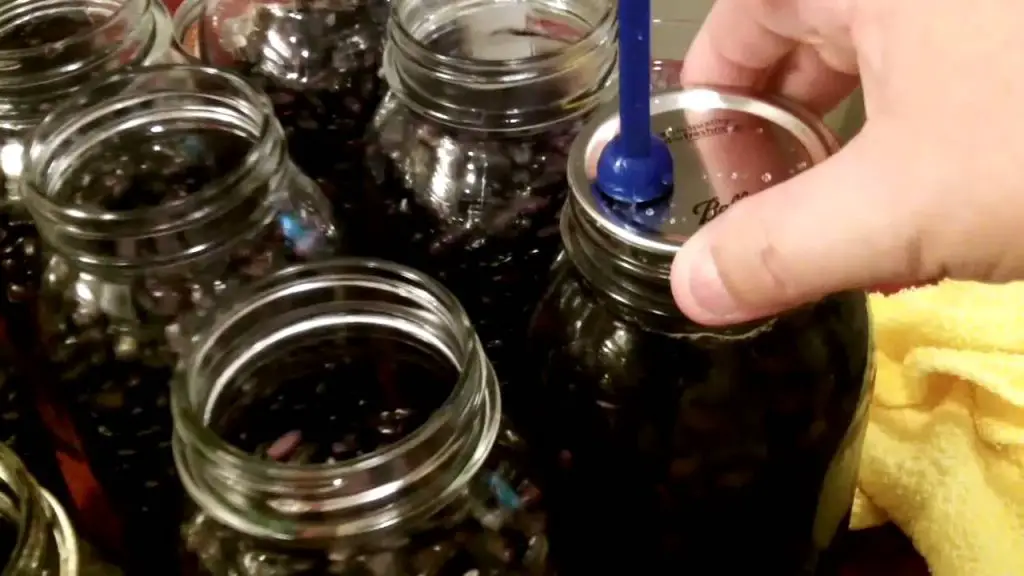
(149, 155)
(576, 42)
(119, 101)
(341, 296)
(15, 13)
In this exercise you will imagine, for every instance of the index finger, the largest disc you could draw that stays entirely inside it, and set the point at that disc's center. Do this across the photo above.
(735, 48)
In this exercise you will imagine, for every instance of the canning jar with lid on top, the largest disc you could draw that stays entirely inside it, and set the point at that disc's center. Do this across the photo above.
(154, 190)
(342, 418)
(48, 50)
(664, 445)
(467, 154)
(319, 61)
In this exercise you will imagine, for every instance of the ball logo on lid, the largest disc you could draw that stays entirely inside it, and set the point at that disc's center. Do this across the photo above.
(708, 210)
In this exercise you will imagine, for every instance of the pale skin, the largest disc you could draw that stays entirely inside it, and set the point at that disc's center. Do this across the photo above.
(932, 187)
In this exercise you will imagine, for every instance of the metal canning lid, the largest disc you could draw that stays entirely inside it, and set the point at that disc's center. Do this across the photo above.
(725, 145)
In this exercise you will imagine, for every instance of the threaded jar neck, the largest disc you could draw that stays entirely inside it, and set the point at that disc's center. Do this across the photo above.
(45, 542)
(156, 167)
(501, 66)
(316, 312)
(48, 50)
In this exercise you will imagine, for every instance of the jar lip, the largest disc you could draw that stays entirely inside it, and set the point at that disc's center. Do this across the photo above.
(190, 422)
(109, 22)
(597, 33)
(39, 143)
(37, 506)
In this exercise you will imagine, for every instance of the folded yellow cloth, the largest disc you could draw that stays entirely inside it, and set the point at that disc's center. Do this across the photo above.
(944, 453)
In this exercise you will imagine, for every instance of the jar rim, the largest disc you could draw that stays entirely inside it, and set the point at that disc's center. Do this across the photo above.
(40, 509)
(39, 151)
(596, 33)
(370, 493)
(49, 47)
(281, 284)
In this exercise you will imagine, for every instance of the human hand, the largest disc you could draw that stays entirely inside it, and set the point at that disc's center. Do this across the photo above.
(924, 191)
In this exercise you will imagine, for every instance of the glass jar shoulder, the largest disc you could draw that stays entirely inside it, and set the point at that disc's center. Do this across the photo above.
(496, 525)
(597, 339)
(465, 174)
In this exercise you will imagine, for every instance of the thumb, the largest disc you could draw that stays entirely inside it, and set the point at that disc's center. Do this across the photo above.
(847, 223)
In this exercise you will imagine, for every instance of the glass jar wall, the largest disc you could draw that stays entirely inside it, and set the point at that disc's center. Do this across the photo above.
(342, 418)
(467, 153)
(154, 190)
(319, 61)
(36, 536)
(48, 50)
(665, 446)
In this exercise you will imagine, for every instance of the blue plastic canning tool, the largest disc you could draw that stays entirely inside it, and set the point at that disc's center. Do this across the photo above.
(636, 166)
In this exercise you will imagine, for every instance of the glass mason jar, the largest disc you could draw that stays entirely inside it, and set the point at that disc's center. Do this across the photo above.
(467, 153)
(342, 418)
(319, 61)
(36, 536)
(48, 50)
(154, 190)
(665, 445)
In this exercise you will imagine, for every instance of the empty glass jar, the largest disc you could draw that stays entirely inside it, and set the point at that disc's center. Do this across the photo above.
(666, 446)
(342, 418)
(467, 153)
(154, 190)
(319, 61)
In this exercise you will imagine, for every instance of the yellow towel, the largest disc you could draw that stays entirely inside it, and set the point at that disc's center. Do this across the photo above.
(944, 453)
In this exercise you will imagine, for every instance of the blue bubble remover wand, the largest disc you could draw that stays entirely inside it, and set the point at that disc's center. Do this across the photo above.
(636, 166)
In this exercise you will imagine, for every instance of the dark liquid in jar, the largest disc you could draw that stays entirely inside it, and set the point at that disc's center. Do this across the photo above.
(708, 454)
(369, 396)
(110, 358)
(320, 67)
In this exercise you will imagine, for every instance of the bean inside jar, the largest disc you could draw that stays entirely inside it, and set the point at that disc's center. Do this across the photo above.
(467, 154)
(359, 435)
(319, 62)
(155, 191)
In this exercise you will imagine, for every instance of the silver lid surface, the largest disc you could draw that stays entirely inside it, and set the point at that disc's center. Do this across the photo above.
(725, 144)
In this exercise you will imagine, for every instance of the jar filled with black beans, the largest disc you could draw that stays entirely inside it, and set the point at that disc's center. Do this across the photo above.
(48, 50)
(467, 154)
(664, 446)
(154, 190)
(319, 61)
(342, 418)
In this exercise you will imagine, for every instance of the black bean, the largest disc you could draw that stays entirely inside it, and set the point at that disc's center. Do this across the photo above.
(659, 451)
